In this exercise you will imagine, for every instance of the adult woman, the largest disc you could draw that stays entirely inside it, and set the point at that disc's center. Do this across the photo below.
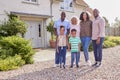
(85, 34)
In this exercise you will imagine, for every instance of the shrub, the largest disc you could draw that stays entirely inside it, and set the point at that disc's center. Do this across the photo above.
(13, 26)
(90, 47)
(108, 44)
(115, 40)
(11, 63)
(10, 46)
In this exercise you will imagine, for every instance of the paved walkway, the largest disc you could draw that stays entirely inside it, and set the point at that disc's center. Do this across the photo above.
(43, 68)
(46, 55)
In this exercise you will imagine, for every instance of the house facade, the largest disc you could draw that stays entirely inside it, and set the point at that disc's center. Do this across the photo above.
(38, 13)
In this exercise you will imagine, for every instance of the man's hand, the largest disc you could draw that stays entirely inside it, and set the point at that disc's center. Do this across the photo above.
(98, 40)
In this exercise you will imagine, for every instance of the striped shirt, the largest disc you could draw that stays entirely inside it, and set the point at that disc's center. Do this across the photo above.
(74, 41)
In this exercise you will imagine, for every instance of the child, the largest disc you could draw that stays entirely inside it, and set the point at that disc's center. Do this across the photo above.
(75, 47)
(62, 42)
(75, 25)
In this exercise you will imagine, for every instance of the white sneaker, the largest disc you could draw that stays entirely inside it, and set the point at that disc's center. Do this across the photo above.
(98, 64)
(56, 65)
(88, 63)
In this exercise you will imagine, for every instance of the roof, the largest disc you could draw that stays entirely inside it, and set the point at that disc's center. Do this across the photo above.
(81, 3)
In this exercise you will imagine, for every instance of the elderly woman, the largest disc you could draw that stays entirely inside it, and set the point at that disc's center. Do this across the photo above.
(85, 34)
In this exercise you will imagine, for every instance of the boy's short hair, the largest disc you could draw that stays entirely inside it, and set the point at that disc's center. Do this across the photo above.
(73, 30)
(62, 27)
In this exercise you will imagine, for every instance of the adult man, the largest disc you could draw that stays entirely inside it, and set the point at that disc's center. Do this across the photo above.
(62, 21)
(98, 34)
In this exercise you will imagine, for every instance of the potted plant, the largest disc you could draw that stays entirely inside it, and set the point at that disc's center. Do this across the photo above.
(50, 29)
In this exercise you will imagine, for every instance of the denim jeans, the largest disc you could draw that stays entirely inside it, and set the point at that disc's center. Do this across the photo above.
(73, 56)
(85, 43)
(56, 55)
(98, 49)
(62, 54)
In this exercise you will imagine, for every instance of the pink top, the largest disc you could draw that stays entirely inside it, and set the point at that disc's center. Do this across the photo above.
(77, 27)
(61, 41)
(98, 28)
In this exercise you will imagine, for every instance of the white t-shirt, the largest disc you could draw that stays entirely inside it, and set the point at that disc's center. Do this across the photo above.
(77, 27)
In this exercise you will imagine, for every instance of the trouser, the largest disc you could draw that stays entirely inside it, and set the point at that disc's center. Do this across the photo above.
(56, 55)
(98, 49)
(62, 54)
(73, 56)
(85, 43)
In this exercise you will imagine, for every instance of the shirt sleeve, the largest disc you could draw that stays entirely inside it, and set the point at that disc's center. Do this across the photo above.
(55, 24)
(68, 26)
(101, 26)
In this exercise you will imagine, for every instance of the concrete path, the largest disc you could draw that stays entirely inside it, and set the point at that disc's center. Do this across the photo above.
(46, 55)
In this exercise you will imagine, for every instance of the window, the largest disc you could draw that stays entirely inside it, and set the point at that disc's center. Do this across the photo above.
(39, 30)
(66, 5)
(30, 1)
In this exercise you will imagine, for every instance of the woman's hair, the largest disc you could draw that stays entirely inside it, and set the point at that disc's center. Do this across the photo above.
(81, 16)
(74, 18)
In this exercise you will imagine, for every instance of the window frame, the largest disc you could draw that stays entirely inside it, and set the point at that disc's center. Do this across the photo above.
(30, 2)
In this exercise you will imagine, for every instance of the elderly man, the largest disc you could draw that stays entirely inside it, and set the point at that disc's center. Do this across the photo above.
(98, 34)
(62, 21)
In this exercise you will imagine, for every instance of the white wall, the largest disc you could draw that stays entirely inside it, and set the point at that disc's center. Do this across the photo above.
(19, 6)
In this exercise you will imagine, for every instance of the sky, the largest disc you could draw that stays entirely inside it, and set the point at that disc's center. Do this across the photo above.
(108, 8)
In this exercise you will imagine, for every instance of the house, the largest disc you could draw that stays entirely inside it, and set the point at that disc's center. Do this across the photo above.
(38, 13)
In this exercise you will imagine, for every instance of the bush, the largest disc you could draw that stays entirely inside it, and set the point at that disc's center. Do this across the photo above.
(13, 26)
(90, 47)
(11, 63)
(114, 40)
(108, 44)
(10, 46)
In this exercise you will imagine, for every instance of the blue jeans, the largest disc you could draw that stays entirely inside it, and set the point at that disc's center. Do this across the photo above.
(85, 43)
(56, 55)
(73, 56)
(98, 49)
(62, 54)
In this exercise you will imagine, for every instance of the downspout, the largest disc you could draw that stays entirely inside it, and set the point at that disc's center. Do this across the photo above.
(51, 3)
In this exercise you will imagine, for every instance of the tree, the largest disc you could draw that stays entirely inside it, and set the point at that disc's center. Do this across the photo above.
(107, 22)
(117, 22)
(13, 26)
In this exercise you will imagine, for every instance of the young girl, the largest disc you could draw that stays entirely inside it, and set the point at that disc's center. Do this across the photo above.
(62, 42)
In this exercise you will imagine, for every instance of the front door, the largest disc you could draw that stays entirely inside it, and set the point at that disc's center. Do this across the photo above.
(34, 33)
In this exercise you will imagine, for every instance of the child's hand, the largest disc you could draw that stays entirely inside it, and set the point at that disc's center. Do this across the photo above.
(68, 49)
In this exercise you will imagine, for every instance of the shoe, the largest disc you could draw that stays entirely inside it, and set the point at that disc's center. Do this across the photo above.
(56, 65)
(94, 64)
(64, 66)
(60, 66)
(98, 64)
(71, 66)
(77, 66)
(88, 63)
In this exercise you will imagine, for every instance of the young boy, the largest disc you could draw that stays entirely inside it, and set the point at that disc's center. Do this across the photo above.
(62, 42)
(75, 47)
